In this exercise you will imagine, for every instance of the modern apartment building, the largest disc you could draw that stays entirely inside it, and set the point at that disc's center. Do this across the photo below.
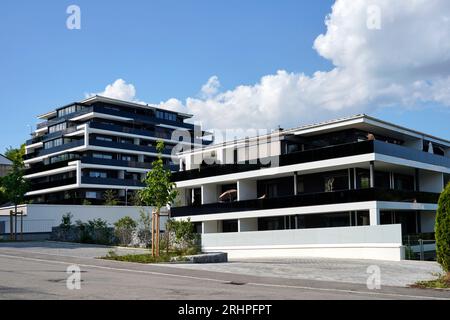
(85, 148)
(349, 188)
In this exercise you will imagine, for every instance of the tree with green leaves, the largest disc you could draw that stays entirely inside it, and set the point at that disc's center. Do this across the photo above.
(159, 192)
(14, 185)
(110, 197)
(16, 155)
(443, 230)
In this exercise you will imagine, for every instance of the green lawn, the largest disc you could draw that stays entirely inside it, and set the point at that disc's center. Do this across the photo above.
(144, 258)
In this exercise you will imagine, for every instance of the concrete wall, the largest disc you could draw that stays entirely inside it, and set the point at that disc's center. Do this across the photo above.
(41, 218)
(368, 242)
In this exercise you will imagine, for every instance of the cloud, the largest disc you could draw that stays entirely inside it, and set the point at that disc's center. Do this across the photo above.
(118, 90)
(404, 64)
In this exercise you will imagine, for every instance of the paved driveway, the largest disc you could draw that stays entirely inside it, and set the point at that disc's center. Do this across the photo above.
(73, 250)
(400, 274)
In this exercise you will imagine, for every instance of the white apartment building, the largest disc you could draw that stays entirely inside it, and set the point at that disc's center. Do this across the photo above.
(347, 188)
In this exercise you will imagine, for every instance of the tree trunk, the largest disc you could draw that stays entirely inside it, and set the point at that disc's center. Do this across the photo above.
(15, 222)
(157, 232)
(11, 223)
(153, 233)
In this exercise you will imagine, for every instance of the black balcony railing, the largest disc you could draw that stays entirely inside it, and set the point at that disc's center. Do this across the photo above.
(112, 182)
(332, 152)
(41, 167)
(347, 196)
(63, 147)
(52, 184)
(339, 151)
(126, 146)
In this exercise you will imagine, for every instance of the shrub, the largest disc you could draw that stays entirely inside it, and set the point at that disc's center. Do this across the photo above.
(95, 231)
(124, 229)
(184, 236)
(443, 230)
(86, 202)
(66, 221)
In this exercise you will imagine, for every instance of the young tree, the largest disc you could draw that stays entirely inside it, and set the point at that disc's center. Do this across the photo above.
(443, 230)
(159, 192)
(14, 185)
(110, 197)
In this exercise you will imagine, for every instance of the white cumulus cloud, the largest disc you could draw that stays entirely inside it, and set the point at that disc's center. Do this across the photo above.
(404, 64)
(118, 90)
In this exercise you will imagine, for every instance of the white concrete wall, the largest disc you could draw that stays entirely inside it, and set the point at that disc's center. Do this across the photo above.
(41, 218)
(367, 242)
(431, 181)
(247, 190)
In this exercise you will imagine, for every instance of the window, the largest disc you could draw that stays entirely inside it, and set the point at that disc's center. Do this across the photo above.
(126, 158)
(103, 138)
(91, 195)
(53, 143)
(57, 127)
(102, 156)
(127, 141)
(98, 174)
(166, 115)
(403, 182)
(69, 110)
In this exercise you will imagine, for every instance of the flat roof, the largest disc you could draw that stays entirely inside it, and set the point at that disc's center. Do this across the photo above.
(97, 98)
(333, 125)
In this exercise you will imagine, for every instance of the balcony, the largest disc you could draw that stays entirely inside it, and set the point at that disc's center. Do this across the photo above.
(327, 153)
(112, 182)
(125, 164)
(125, 146)
(52, 184)
(86, 110)
(60, 148)
(345, 150)
(143, 118)
(304, 200)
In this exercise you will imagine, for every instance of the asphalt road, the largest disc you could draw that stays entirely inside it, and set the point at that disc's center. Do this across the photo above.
(27, 275)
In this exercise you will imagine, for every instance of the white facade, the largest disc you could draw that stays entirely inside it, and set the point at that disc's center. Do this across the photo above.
(42, 218)
(384, 187)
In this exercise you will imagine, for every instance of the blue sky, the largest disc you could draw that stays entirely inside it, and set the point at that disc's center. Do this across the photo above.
(166, 49)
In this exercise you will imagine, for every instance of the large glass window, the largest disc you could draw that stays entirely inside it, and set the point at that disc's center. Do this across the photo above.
(53, 143)
(166, 115)
(69, 110)
(102, 156)
(57, 127)
(403, 182)
(98, 174)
